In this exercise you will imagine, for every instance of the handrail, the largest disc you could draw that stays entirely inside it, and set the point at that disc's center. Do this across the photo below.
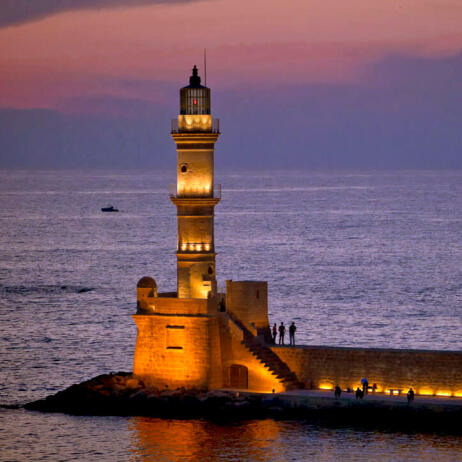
(214, 128)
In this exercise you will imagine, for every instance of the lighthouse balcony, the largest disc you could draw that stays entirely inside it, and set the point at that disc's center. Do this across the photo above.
(191, 123)
(197, 191)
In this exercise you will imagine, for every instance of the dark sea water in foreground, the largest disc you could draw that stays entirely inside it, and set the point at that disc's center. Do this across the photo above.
(360, 259)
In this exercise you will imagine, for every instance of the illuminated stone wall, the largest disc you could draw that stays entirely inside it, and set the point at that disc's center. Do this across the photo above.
(178, 350)
(233, 352)
(175, 306)
(195, 227)
(194, 351)
(195, 200)
(195, 171)
(248, 301)
(427, 372)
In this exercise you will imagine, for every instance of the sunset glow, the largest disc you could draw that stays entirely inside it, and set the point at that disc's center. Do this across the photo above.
(94, 85)
(81, 53)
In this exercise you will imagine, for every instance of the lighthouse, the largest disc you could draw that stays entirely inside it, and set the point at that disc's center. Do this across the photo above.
(178, 341)
(196, 337)
(195, 195)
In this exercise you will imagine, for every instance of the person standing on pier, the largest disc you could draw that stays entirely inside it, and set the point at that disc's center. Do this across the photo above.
(337, 392)
(365, 385)
(275, 333)
(282, 331)
(410, 395)
(292, 330)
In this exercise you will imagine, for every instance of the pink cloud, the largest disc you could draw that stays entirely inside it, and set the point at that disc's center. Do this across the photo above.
(84, 54)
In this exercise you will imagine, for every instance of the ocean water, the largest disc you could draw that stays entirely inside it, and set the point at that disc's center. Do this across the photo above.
(359, 258)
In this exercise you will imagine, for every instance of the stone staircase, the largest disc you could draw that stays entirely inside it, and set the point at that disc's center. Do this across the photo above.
(268, 358)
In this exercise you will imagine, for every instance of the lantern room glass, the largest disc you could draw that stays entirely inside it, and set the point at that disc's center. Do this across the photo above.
(195, 100)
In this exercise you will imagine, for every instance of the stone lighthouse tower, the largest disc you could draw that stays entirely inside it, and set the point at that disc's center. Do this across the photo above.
(196, 337)
(178, 342)
(195, 195)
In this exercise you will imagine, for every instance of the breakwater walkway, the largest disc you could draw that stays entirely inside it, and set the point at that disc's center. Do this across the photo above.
(379, 398)
(124, 394)
(375, 410)
(326, 398)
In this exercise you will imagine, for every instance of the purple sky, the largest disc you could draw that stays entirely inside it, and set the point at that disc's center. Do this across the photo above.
(319, 84)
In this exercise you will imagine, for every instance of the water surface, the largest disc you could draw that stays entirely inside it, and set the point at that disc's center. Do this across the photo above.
(359, 259)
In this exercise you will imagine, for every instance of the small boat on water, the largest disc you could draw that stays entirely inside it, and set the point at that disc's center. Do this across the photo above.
(110, 208)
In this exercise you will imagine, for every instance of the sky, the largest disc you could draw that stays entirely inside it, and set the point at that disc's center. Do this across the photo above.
(315, 84)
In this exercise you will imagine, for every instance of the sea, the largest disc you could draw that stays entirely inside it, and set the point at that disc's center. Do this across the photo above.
(358, 258)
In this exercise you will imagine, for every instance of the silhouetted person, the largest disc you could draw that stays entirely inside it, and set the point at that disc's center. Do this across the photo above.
(275, 333)
(337, 392)
(359, 394)
(365, 384)
(282, 332)
(410, 395)
(292, 329)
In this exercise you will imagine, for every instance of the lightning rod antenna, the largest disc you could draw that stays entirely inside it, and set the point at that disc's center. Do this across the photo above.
(205, 65)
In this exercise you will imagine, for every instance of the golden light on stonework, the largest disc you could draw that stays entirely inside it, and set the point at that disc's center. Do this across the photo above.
(195, 189)
(378, 389)
(425, 391)
(443, 393)
(194, 121)
(265, 376)
(194, 246)
(326, 386)
(202, 289)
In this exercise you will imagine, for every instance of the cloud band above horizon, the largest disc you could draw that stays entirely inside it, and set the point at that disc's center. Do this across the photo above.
(16, 12)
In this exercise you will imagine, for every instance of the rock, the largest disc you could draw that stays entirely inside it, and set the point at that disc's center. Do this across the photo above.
(152, 392)
(133, 383)
(139, 395)
(218, 394)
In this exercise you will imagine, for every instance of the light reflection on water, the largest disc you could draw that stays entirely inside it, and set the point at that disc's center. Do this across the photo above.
(278, 441)
(32, 436)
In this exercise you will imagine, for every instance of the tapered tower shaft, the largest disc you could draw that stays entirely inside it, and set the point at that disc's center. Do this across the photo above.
(195, 194)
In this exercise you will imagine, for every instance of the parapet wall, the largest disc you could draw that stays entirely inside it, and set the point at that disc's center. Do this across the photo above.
(427, 372)
(167, 305)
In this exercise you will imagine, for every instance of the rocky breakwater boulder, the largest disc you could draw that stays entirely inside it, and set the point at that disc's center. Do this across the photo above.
(123, 394)
(103, 395)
